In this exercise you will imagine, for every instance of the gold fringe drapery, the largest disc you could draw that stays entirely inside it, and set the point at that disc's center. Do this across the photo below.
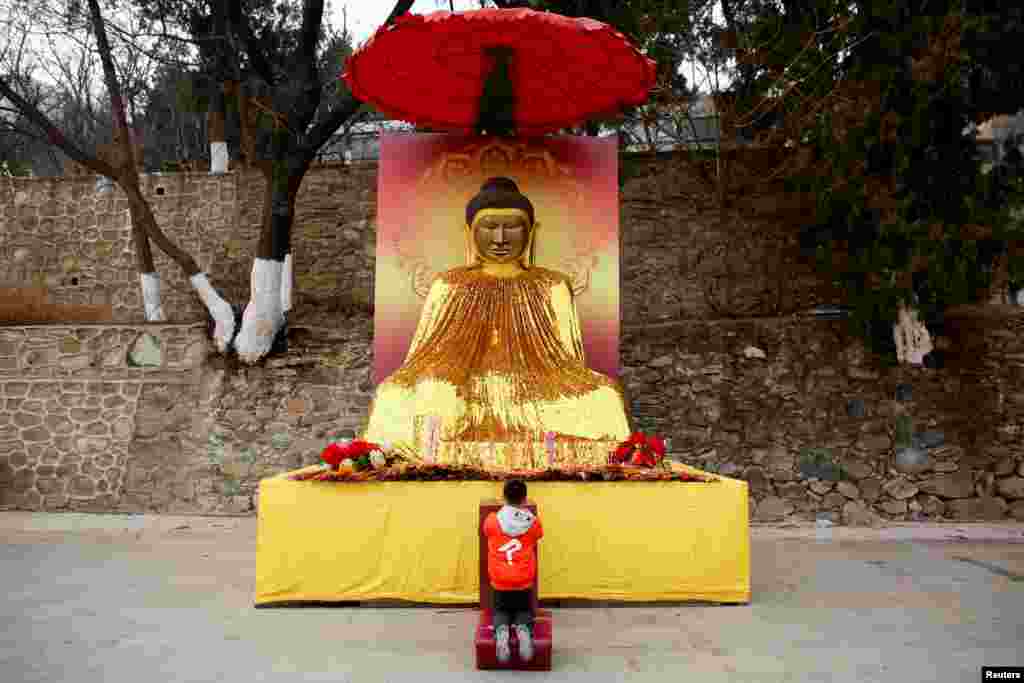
(499, 360)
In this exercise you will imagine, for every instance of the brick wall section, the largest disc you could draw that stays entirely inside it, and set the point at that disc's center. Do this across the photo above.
(715, 358)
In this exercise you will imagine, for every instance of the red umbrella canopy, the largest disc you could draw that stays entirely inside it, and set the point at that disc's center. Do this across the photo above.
(430, 69)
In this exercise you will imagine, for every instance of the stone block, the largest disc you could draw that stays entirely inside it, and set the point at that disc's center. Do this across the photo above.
(65, 470)
(855, 408)
(122, 429)
(870, 489)
(1011, 487)
(82, 486)
(959, 484)
(59, 425)
(977, 509)
(1005, 466)
(55, 501)
(894, 507)
(856, 513)
(757, 481)
(900, 489)
(35, 434)
(821, 487)
(791, 490)
(833, 500)
(96, 429)
(1016, 510)
(856, 469)
(23, 480)
(848, 489)
(71, 400)
(874, 443)
(44, 390)
(931, 506)
(15, 389)
(89, 445)
(27, 419)
(77, 362)
(84, 414)
(929, 439)
(50, 485)
(113, 402)
(912, 461)
(773, 509)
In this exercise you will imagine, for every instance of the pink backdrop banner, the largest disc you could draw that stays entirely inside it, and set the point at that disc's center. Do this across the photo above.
(424, 184)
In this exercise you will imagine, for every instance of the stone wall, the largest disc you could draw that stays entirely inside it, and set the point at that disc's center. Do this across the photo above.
(61, 234)
(781, 401)
(71, 400)
(716, 357)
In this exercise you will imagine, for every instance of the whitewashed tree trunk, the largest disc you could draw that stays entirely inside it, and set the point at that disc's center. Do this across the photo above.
(218, 157)
(286, 284)
(220, 311)
(264, 315)
(151, 297)
(913, 342)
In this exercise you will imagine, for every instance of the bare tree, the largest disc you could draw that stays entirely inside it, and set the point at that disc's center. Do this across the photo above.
(120, 163)
(298, 122)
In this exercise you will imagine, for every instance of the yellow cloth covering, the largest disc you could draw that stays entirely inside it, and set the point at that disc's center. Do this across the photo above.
(417, 541)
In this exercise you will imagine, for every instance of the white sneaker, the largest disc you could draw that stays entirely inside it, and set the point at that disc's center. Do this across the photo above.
(501, 644)
(525, 642)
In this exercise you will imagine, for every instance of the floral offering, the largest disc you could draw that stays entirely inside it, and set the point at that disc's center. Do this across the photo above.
(639, 450)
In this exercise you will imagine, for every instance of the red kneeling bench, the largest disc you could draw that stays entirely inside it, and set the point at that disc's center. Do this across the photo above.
(486, 653)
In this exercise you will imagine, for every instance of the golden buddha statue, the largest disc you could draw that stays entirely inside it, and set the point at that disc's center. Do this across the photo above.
(497, 357)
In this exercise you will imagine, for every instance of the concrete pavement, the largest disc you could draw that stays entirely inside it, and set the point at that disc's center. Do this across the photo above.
(127, 598)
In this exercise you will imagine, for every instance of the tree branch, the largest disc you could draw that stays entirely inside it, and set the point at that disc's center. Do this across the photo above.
(401, 7)
(54, 136)
(322, 132)
(117, 102)
(240, 23)
(312, 15)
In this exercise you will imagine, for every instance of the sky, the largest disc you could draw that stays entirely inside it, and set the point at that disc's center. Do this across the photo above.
(364, 16)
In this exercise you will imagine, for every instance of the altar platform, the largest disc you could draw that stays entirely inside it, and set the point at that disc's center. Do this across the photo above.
(418, 541)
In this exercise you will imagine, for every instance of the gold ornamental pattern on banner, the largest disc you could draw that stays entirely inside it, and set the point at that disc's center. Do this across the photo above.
(464, 169)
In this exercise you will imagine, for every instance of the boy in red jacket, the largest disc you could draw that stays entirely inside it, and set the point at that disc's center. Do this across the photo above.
(512, 534)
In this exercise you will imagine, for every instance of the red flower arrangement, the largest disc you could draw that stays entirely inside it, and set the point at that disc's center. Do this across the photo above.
(436, 472)
(639, 450)
(357, 451)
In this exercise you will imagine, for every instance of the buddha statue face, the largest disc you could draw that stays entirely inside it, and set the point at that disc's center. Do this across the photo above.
(501, 235)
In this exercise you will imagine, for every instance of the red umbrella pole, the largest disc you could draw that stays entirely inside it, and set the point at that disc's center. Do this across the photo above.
(498, 98)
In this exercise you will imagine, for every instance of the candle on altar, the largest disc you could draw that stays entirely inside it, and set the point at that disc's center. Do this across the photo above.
(549, 446)
(433, 437)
